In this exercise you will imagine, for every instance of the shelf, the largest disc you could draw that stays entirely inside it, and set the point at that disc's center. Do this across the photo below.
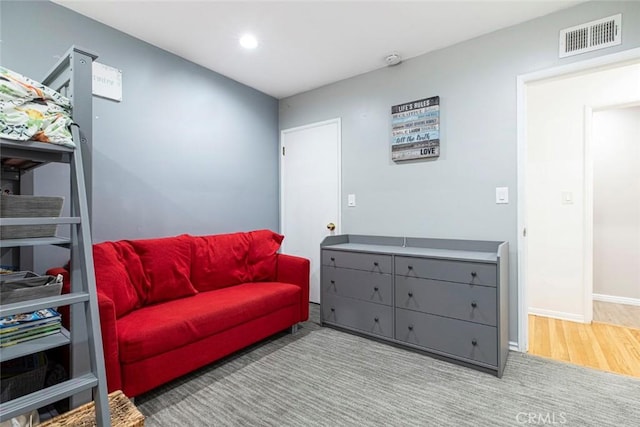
(33, 146)
(24, 155)
(35, 241)
(34, 346)
(46, 396)
(40, 303)
(41, 220)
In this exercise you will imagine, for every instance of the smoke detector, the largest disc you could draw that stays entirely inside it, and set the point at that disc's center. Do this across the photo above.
(392, 59)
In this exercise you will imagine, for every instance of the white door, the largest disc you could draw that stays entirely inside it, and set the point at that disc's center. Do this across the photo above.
(310, 192)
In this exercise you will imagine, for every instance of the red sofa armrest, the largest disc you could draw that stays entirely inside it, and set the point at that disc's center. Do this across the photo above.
(108, 328)
(295, 270)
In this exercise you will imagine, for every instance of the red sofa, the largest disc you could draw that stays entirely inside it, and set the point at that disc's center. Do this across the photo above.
(172, 305)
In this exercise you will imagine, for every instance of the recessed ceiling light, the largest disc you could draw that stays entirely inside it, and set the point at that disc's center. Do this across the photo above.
(248, 41)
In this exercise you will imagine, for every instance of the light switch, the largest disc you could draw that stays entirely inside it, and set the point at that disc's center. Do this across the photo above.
(351, 200)
(567, 198)
(502, 195)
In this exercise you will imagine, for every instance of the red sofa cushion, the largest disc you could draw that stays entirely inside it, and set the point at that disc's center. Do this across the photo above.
(167, 266)
(112, 278)
(131, 261)
(219, 261)
(262, 259)
(156, 329)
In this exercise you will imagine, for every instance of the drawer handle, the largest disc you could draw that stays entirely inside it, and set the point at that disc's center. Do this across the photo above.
(376, 319)
(474, 342)
(375, 289)
(333, 309)
(410, 327)
(333, 259)
(474, 274)
(410, 267)
(410, 294)
(474, 304)
(375, 263)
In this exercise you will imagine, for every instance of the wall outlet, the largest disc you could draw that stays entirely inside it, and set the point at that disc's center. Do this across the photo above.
(567, 198)
(502, 195)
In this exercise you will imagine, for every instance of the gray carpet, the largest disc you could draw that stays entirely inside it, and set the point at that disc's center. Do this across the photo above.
(323, 377)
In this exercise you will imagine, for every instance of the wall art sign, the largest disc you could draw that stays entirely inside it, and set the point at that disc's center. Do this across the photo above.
(415, 129)
(107, 82)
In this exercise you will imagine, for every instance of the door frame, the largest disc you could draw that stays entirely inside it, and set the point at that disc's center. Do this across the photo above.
(521, 109)
(283, 132)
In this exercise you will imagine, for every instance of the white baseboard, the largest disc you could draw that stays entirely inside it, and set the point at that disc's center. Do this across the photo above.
(572, 317)
(513, 346)
(616, 300)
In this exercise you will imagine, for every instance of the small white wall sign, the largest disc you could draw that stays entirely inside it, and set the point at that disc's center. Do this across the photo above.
(107, 81)
(415, 129)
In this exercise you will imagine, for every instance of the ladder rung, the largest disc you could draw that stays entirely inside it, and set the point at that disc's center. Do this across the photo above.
(35, 241)
(46, 396)
(41, 220)
(40, 303)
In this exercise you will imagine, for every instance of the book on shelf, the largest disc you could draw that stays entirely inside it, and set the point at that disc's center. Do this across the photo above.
(23, 327)
(56, 326)
(8, 330)
(17, 340)
(46, 314)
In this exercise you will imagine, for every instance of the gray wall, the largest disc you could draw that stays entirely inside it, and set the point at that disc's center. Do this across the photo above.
(186, 151)
(453, 196)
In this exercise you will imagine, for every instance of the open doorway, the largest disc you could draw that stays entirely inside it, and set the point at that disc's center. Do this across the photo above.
(615, 132)
(555, 212)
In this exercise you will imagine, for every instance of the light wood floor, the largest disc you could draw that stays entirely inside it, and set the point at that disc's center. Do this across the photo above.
(598, 345)
(617, 314)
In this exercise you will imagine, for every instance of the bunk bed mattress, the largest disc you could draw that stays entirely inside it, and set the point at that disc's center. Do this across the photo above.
(30, 110)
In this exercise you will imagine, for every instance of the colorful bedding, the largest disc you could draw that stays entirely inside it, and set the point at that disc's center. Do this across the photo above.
(32, 111)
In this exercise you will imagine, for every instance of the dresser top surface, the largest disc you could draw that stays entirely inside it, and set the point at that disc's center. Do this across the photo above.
(450, 254)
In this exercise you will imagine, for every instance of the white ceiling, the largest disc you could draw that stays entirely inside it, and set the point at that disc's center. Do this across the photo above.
(306, 44)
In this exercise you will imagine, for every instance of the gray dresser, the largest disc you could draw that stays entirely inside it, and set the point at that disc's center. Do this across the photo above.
(448, 298)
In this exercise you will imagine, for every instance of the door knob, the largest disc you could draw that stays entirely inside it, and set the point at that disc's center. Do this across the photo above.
(331, 226)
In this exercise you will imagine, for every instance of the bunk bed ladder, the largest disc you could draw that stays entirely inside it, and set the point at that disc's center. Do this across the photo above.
(85, 322)
(88, 380)
(82, 272)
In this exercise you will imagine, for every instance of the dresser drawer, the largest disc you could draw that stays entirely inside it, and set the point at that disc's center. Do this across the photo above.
(364, 285)
(367, 317)
(460, 301)
(451, 271)
(360, 261)
(456, 337)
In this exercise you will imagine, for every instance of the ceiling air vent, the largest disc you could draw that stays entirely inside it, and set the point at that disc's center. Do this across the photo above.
(593, 35)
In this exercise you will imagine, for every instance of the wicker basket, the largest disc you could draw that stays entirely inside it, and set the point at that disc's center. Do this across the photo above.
(123, 414)
(12, 206)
